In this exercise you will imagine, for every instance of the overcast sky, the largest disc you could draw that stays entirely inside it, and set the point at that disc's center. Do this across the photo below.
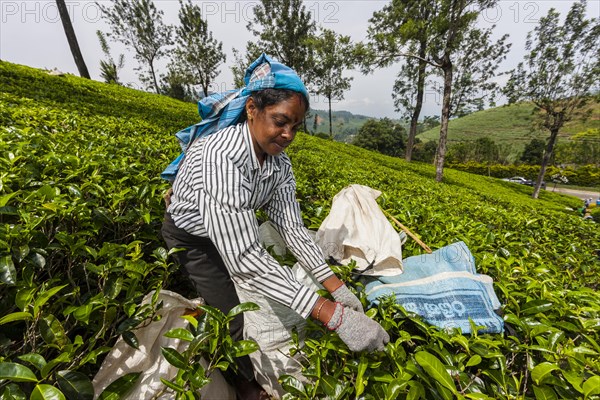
(31, 34)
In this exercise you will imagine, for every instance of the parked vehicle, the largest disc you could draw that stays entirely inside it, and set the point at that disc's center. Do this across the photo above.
(523, 181)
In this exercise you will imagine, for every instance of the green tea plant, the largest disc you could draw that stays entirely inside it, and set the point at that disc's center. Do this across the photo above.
(210, 348)
(80, 214)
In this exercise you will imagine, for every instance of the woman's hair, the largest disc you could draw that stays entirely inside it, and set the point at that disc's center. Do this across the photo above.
(268, 97)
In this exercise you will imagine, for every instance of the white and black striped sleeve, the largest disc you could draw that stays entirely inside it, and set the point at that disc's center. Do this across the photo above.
(284, 211)
(230, 221)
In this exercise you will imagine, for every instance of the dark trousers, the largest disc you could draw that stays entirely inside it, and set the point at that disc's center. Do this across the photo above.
(205, 268)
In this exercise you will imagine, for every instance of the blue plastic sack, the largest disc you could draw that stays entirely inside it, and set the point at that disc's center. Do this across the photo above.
(444, 288)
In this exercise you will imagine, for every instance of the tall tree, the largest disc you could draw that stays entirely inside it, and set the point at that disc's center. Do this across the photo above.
(139, 25)
(559, 73)
(109, 69)
(408, 93)
(332, 54)
(198, 53)
(450, 21)
(283, 28)
(405, 23)
(72, 38)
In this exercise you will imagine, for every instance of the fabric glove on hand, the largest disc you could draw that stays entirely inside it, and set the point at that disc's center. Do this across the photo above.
(358, 331)
(344, 295)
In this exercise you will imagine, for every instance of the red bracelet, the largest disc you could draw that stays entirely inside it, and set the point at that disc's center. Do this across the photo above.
(341, 318)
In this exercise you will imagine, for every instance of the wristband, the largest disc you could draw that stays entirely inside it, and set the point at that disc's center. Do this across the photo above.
(341, 317)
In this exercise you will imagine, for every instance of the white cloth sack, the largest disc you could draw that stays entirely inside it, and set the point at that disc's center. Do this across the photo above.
(148, 360)
(356, 229)
(271, 326)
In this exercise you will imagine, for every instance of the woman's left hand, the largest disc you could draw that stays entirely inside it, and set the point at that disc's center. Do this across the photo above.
(347, 298)
(167, 197)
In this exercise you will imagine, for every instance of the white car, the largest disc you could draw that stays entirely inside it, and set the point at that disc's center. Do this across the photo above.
(523, 181)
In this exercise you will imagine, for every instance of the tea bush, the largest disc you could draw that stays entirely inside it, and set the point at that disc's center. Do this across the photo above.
(80, 212)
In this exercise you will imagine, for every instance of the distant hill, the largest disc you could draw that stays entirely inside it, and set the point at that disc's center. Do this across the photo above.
(345, 124)
(511, 124)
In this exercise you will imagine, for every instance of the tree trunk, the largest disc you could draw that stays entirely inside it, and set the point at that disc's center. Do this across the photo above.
(72, 39)
(441, 150)
(156, 88)
(330, 126)
(419, 104)
(546, 159)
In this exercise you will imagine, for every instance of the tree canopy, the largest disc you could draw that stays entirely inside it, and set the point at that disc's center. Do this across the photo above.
(384, 136)
(198, 54)
(331, 56)
(283, 28)
(559, 73)
(139, 24)
(447, 40)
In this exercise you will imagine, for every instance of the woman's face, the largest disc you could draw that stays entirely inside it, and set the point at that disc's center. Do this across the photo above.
(274, 128)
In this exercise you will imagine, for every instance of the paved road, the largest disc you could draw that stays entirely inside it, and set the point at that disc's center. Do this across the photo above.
(577, 193)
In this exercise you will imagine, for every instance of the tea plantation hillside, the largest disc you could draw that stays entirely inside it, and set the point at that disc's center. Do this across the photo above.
(80, 214)
(510, 125)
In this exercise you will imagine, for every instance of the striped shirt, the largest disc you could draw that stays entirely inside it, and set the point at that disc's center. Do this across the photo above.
(218, 189)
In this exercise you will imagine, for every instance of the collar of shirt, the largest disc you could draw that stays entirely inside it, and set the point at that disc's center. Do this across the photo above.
(271, 164)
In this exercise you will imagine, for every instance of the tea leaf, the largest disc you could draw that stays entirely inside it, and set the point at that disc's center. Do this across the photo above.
(542, 370)
(244, 347)
(119, 388)
(241, 308)
(174, 358)
(46, 392)
(16, 372)
(332, 387)
(8, 273)
(45, 296)
(24, 297)
(544, 393)
(37, 360)
(75, 385)
(435, 369)
(131, 339)
(52, 331)
(293, 386)
(177, 388)
(180, 333)
(12, 391)
(475, 360)
(4, 199)
(113, 287)
(536, 306)
(591, 387)
(16, 316)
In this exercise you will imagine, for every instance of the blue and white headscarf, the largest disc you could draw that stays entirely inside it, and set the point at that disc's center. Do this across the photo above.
(221, 110)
